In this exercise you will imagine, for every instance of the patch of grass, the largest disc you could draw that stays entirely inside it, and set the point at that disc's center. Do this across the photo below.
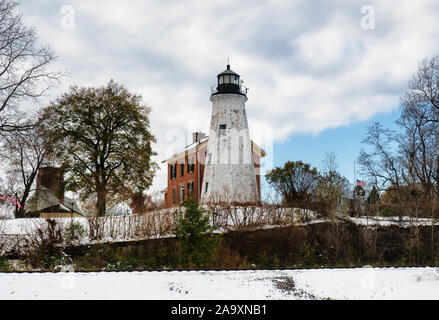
(124, 265)
(4, 265)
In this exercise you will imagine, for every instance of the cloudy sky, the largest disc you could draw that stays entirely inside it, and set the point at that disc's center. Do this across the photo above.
(319, 72)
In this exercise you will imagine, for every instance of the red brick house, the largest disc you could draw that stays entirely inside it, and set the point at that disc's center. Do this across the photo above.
(186, 170)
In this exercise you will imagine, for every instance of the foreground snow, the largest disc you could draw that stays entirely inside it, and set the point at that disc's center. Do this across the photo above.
(361, 283)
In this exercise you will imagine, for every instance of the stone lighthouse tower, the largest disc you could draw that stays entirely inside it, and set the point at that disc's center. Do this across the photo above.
(229, 174)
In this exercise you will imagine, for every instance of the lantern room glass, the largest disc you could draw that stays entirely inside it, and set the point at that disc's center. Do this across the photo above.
(227, 78)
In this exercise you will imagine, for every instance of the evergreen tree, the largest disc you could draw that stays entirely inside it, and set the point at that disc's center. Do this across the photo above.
(195, 234)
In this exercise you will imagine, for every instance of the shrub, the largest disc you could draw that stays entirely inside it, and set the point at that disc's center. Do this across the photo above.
(4, 265)
(310, 254)
(44, 248)
(194, 234)
(126, 264)
(74, 232)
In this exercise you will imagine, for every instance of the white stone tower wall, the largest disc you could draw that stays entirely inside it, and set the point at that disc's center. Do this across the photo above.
(229, 170)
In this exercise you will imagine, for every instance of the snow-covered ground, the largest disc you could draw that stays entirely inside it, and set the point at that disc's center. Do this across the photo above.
(360, 283)
(403, 222)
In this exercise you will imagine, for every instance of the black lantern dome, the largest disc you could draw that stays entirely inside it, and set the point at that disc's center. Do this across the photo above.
(228, 82)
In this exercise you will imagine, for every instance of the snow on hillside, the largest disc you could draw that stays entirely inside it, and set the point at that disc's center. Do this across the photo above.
(360, 283)
(159, 223)
(404, 222)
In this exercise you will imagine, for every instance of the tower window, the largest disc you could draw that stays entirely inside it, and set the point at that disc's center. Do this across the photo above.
(223, 128)
(207, 185)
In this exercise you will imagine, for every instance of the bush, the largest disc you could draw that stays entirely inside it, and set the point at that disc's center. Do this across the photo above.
(194, 234)
(310, 254)
(4, 265)
(44, 248)
(123, 265)
(74, 232)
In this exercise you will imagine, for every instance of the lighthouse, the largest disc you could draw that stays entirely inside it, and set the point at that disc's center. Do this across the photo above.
(229, 174)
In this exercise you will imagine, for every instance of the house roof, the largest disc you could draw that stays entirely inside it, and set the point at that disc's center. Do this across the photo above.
(187, 150)
(44, 198)
(197, 145)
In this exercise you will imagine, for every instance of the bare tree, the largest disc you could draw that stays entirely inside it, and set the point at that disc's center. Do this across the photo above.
(24, 153)
(422, 93)
(333, 189)
(382, 165)
(420, 110)
(24, 73)
(408, 160)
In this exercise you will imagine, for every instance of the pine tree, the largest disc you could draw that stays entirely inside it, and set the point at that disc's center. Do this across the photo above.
(195, 234)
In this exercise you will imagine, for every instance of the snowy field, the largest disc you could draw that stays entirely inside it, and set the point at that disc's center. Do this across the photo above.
(361, 283)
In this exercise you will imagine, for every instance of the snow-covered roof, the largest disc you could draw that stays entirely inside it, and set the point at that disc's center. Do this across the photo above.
(188, 149)
(44, 198)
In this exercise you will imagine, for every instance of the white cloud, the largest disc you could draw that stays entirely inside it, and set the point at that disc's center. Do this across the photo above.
(309, 66)
(321, 48)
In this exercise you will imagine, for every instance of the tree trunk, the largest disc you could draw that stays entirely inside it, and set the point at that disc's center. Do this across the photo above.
(20, 213)
(26, 193)
(101, 204)
(437, 180)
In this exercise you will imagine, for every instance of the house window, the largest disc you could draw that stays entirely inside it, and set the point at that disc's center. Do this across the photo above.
(173, 171)
(182, 169)
(182, 193)
(190, 165)
(190, 189)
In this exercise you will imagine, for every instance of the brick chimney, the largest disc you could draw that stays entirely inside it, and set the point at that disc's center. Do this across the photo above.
(53, 179)
(197, 136)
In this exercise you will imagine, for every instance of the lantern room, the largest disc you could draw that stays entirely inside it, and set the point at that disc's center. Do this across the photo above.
(228, 82)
